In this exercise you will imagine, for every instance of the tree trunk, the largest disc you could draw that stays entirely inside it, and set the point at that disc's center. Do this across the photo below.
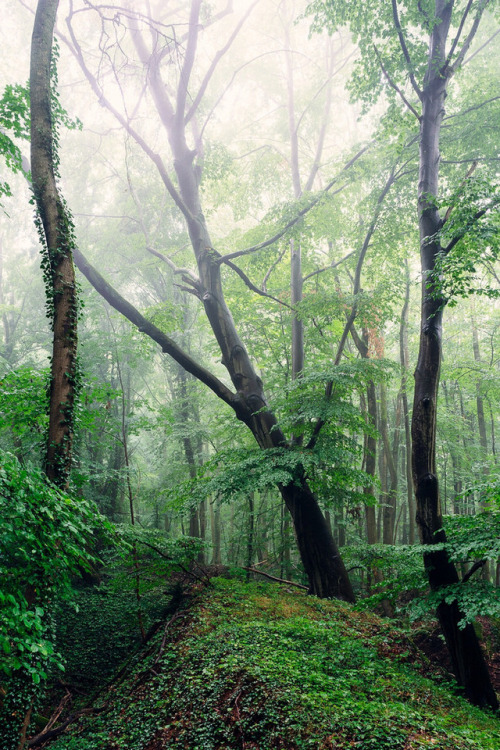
(215, 525)
(320, 557)
(404, 359)
(249, 401)
(56, 232)
(389, 514)
(468, 661)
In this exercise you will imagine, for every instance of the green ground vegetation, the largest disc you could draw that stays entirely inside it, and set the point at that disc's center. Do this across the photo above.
(265, 667)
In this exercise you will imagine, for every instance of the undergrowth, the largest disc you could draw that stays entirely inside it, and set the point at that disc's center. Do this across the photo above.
(258, 667)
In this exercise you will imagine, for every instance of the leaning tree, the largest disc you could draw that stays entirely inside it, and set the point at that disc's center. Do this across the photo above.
(175, 83)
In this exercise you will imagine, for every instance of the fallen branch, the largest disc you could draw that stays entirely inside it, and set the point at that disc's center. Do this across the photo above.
(52, 733)
(279, 580)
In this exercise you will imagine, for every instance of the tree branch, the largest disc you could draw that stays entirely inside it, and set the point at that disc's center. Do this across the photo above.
(477, 565)
(452, 67)
(478, 215)
(252, 286)
(356, 289)
(271, 269)
(188, 63)
(175, 269)
(394, 85)
(167, 344)
(300, 214)
(458, 35)
(404, 49)
(218, 56)
(479, 49)
(328, 268)
(75, 49)
(274, 578)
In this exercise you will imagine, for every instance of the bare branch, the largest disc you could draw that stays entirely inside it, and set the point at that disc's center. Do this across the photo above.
(167, 344)
(404, 49)
(75, 49)
(218, 57)
(299, 215)
(452, 67)
(176, 270)
(480, 49)
(271, 269)
(187, 67)
(458, 35)
(329, 267)
(274, 578)
(252, 286)
(394, 85)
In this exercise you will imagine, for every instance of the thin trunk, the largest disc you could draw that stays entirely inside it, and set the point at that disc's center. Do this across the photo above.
(404, 360)
(216, 535)
(251, 532)
(481, 424)
(370, 439)
(135, 557)
(389, 514)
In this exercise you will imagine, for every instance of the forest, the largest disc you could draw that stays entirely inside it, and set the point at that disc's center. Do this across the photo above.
(250, 374)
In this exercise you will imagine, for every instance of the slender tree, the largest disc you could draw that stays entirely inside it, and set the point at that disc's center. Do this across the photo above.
(413, 49)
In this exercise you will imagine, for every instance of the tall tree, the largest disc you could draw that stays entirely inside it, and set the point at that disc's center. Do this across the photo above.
(178, 109)
(414, 49)
(56, 233)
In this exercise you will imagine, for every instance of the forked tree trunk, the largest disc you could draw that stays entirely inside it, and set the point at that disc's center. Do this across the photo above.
(326, 573)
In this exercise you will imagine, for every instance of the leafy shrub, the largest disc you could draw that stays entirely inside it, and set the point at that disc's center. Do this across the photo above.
(45, 538)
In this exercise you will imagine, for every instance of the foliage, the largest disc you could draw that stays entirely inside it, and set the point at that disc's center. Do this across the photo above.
(255, 665)
(396, 573)
(475, 221)
(329, 466)
(23, 410)
(45, 540)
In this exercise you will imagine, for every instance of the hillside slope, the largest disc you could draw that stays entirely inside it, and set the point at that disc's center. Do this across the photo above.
(262, 667)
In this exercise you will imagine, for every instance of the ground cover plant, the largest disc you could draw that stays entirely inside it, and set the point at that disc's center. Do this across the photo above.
(256, 665)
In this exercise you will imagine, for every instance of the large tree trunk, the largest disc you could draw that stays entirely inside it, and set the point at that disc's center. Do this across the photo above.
(56, 230)
(320, 557)
(468, 661)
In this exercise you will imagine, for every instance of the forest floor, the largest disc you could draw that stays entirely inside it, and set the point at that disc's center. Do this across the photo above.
(257, 666)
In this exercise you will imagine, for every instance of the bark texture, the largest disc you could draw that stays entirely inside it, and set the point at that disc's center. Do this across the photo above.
(468, 661)
(58, 264)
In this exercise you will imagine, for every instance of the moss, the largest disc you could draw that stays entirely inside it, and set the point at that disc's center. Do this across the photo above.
(256, 666)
